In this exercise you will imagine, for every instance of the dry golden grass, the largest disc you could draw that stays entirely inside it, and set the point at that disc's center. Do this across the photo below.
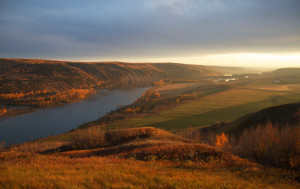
(89, 138)
(169, 161)
(36, 147)
(26, 170)
(155, 144)
(96, 136)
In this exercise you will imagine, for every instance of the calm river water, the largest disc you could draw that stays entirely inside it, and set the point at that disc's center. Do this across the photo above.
(61, 119)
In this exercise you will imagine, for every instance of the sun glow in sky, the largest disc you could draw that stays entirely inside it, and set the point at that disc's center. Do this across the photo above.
(252, 33)
(233, 59)
(248, 60)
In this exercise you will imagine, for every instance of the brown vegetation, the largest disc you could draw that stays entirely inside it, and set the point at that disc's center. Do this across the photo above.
(33, 147)
(148, 143)
(95, 137)
(266, 144)
(109, 159)
(28, 170)
(269, 145)
(92, 137)
(270, 136)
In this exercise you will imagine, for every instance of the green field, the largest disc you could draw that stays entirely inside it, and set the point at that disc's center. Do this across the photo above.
(224, 106)
(224, 114)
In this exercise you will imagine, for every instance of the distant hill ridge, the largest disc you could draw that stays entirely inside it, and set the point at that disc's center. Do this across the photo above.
(285, 73)
(23, 75)
(33, 74)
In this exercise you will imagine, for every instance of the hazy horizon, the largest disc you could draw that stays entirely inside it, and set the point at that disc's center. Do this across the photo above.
(249, 33)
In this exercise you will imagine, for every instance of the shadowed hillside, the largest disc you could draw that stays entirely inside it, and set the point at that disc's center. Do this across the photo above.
(287, 114)
(284, 75)
(281, 116)
(285, 72)
(270, 136)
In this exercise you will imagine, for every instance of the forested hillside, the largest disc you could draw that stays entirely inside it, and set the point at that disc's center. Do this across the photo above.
(45, 82)
(23, 75)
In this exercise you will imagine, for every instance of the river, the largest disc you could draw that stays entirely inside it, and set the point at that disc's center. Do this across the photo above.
(58, 120)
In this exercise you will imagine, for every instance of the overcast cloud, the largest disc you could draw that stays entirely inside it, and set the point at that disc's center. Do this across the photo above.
(116, 29)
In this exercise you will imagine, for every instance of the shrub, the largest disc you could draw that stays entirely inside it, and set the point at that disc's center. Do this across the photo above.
(125, 135)
(266, 144)
(95, 137)
(270, 145)
(92, 137)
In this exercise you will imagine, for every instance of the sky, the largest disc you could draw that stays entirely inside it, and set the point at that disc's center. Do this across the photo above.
(251, 33)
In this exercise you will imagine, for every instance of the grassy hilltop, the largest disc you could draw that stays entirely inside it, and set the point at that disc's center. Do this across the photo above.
(136, 158)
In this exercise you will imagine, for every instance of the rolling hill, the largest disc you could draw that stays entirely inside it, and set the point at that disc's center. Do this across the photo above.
(282, 115)
(46, 83)
(22, 75)
(283, 75)
(237, 70)
(138, 158)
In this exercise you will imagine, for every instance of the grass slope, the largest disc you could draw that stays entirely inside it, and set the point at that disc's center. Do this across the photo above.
(282, 115)
(168, 161)
(224, 114)
(38, 171)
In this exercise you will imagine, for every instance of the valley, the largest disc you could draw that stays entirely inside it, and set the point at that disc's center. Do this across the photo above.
(193, 125)
(153, 94)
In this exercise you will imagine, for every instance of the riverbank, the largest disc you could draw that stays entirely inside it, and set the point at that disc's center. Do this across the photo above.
(79, 95)
(57, 120)
(16, 110)
(11, 112)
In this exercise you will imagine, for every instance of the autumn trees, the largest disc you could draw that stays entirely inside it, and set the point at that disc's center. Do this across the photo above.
(44, 97)
(3, 111)
(222, 141)
(269, 144)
